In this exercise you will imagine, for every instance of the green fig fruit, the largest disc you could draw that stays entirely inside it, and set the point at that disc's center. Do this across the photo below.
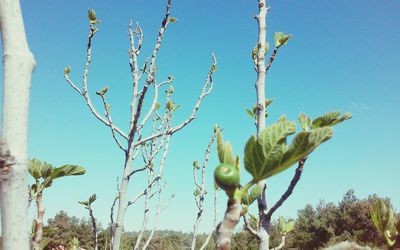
(227, 176)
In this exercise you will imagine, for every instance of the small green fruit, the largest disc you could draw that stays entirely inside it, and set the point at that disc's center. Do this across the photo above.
(227, 176)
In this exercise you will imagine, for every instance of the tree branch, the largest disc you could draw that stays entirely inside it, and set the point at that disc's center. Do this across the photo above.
(289, 190)
(208, 85)
(249, 227)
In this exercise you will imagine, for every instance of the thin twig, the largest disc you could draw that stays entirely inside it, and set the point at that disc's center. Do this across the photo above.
(108, 115)
(208, 85)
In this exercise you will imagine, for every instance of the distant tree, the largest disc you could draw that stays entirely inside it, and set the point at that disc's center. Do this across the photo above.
(329, 224)
(61, 229)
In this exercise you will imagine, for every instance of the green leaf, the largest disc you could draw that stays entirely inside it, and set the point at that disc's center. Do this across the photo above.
(85, 203)
(67, 70)
(34, 168)
(172, 20)
(382, 216)
(171, 89)
(45, 170)
(92, 198)
(285, 227)
(196, 165)
(281, 39)
(266, 48)
(269, 155)
(47, 182)
(225, 152)
(196, 192)
(102, 91)
(67, 170)
(254, 219)
(330, 119)
(268, 102)
(213, 68)
(92, 15)
(262, 155)
(250, 113)
(245, 200)
(254, 53)
(249, 198)
(305, 122)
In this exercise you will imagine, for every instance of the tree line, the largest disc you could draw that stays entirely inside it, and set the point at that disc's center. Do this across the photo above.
(315, 227)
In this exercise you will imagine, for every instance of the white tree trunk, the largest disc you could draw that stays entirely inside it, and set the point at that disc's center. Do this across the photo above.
(19, 64)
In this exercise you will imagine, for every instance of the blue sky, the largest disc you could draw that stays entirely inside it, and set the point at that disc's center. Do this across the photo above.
(344, 56)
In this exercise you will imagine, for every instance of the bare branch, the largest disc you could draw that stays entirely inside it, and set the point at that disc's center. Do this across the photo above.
(289, 190)
(145, 191)
(200, 197)
(108, 115)
(249, 227)
(85, 92)
(215, 220)
(281, 245)
(204, 92)
(66, 76)
(137, 171)
(271, 59)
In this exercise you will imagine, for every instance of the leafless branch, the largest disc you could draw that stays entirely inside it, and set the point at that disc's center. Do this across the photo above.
(249, 227)
(289, 190)
(271, 59)
(108, 115)
(85, 92)
(207, 87)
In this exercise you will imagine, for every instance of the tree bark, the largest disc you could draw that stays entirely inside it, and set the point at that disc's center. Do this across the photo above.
(19, 64)
(225, 228)
(39, 221)
(260, 116)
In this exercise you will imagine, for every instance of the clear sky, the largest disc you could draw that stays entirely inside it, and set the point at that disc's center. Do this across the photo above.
(344, 56)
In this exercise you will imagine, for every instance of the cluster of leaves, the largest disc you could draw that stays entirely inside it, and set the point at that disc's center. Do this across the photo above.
(280, 39)
(89, 202)
(268, 153)
(45, 173)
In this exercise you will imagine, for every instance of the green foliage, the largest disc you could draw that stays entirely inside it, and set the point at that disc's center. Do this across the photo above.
(62, 229)
(329, 224)
(172, 20)
(67, 170)
(268, 154)
(92, 17)
(249, 198)
(285, 226)
(88, 202)
(281, 39)
(102, 91)
(224, 149)
(67, 70)
(254, 52)
(330, 119)
(383, 219)
(42, 170)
